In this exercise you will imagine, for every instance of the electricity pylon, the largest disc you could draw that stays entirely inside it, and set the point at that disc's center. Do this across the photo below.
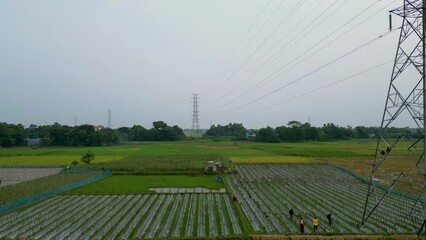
(405, 101)
(195, 129)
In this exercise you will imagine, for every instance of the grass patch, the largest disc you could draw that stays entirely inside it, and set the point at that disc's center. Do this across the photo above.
(130, 184)
(188, 149)
(169, 164)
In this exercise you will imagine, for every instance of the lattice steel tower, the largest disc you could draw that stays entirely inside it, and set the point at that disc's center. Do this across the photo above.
(195, 129)
(405, 101)
(109, 119)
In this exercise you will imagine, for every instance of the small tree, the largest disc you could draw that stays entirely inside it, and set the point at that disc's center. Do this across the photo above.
(75, 163)
(88, 157)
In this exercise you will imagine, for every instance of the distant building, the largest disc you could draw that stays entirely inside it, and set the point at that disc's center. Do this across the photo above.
(212, 166)
(251, 136)
(34, 142)
(99, 127)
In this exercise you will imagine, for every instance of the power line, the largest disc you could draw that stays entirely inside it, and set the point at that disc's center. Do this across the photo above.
(244, 37)
(326, 86)
(265, 40)
(281, 50)
(317, 69)
(305, 29)
(344, 33)
(281, 69)
(279, 41)
(320, 88)
(250, 42)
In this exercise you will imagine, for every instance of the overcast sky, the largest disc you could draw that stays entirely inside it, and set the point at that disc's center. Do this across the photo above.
(143, 60)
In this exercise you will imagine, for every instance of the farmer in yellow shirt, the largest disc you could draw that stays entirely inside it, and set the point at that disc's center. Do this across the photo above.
(316, 223)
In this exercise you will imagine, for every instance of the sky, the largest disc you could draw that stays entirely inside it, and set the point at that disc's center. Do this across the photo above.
(256, 62)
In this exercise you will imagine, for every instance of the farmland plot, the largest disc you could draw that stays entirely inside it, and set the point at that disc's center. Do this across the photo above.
(122, 217)
(266, 192)
(10, 176)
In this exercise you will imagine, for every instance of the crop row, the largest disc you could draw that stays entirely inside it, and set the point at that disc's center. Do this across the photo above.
(123, 217)
(266, 192)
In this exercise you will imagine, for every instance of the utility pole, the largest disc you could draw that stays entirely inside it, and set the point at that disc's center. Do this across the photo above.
(406, 95)
(109, 119)
(195, 129)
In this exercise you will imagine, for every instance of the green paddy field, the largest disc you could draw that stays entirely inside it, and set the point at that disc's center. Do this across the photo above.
(137, 167)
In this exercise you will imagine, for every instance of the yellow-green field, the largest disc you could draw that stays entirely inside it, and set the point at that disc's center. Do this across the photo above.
(273, 159)
(136, 167)
(189, 157)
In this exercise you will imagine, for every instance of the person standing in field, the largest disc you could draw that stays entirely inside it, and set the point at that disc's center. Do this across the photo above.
(315, 223)
(302, 225)
(291, 213)
(329, 219)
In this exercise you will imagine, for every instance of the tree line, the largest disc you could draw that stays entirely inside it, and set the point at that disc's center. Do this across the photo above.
(84, 135)
(295, 131)
(89, 135)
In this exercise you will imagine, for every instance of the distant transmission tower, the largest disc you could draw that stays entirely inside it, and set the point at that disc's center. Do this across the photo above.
(109, 119)
(195, 129)
(405, 101)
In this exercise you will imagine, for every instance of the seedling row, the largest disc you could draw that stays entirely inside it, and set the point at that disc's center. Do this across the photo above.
(124, 217)
(266, 193)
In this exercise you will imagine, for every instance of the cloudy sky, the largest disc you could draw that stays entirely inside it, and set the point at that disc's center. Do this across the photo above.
(258, 62)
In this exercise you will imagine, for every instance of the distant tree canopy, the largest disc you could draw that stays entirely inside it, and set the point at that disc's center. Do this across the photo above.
(298, 132)
(88, 135)
(232, 129)
(267, 134)
(12, 135)
(85, 135)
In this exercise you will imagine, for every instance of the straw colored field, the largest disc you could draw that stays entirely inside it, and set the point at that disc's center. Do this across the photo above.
(9, 176)
(392, 167)
(51, 159)
(16, 191)
(273, 159)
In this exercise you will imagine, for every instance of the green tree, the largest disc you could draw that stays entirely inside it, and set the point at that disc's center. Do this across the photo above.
(294, 124)
(361, 132)
(12, 135)
(232, 129)
(267, 135)
(88, 157)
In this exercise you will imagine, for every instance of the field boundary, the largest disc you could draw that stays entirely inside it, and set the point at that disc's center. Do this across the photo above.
(377, 184)
(43, 195)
